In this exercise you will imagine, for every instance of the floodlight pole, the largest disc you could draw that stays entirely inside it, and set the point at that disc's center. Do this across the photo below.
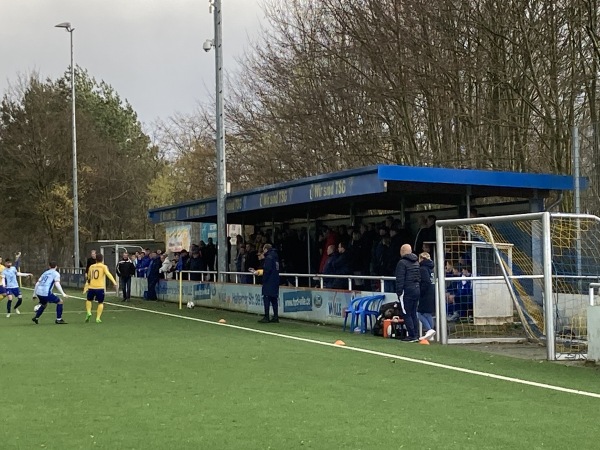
(220, 143)
(67, 26)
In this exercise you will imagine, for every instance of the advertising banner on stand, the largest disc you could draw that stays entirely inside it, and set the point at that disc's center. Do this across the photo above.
(178, 238)
(312, 305)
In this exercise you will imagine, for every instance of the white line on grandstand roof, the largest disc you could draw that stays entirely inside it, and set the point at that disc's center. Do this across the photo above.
(369, 352)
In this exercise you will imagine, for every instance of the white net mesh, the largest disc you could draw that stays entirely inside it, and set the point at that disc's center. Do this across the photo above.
(494, 281)
(487, 306)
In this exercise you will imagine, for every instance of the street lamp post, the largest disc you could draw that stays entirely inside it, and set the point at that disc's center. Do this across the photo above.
(67, 26)
(217, 44)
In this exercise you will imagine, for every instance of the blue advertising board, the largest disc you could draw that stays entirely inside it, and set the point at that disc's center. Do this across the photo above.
(297, 301)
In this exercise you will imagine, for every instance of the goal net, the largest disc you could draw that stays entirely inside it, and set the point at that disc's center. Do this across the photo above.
(502, 275)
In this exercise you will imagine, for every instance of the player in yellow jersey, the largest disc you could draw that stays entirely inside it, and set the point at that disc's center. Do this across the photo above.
(96, 282)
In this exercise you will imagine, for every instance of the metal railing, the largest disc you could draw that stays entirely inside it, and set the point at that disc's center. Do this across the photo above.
(224, 277)
(72, 276)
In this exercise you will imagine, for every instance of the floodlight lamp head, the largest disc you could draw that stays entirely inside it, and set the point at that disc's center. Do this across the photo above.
(66, 25)
(208, 45)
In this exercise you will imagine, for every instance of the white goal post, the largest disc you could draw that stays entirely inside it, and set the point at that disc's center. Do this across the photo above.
(517, 277)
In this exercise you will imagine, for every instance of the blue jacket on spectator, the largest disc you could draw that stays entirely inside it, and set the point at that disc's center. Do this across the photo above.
(184, 261)
(142, 267)
(154, 267)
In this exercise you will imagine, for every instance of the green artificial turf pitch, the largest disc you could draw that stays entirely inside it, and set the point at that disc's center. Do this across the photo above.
(149, 381)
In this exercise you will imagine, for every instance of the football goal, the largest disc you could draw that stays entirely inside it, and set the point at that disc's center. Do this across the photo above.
(516, 278)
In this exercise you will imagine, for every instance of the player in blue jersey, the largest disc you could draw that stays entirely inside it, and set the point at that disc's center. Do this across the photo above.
(43, 291)
(10, 283)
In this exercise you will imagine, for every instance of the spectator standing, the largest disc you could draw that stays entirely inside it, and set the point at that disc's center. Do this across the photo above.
(241, 265)
(91, 260)
(174, 263)
(327, 239)
(125, 270)
(196, 264)
(426, 307)
(429, 232)
(153, 275)
(209, 254)
(141, 270)
(395, 244)
(383, 263)
(270, 283)
(408, 279)
(252, 261)
(329, 267)
(343, 266)
(165, 267)
(183, 263)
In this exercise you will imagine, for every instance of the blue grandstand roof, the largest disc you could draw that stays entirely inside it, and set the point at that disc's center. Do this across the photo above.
(372, 187)
(471, 177)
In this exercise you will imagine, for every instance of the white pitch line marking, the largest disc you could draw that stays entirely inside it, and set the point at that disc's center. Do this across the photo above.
(370, 352)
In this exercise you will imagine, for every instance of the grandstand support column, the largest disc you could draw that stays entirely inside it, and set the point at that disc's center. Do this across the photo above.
(220, 143)
(577, 201)
(441, 285)
(548, 301)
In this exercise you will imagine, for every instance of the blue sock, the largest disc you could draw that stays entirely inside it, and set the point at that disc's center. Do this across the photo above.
(59, 308)
(8, 305)
(40, 311)
(19, 301)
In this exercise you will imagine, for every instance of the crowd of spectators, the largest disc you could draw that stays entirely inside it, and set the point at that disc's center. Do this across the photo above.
(371, 248)
(367, 249)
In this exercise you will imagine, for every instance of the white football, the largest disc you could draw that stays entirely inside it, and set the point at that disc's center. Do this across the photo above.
(190, 305)
(36, 307)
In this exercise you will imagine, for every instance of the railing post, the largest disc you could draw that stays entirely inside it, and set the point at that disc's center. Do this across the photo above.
(180, 290)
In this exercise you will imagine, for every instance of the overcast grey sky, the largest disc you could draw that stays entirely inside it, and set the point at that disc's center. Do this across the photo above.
(150, 51)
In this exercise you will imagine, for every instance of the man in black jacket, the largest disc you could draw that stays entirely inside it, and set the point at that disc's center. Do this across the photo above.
(270, 283)
(125, 270)
(408, 278)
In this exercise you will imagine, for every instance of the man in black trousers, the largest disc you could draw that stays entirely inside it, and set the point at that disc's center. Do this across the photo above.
(270, 283)
(408, 279)
(125, 270)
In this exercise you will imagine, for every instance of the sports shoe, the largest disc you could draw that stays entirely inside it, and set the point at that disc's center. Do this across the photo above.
(274, 320)
(88, 316)
(98, 321)
(8, 315)
(454, 317)
(60, 322)
(17, 311)
(264, 320)
(409, 339)
(429, 335)
(35, 320)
